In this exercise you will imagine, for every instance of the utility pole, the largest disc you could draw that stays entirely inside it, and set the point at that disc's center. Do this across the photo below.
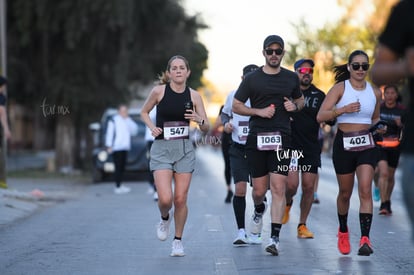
(3, 71)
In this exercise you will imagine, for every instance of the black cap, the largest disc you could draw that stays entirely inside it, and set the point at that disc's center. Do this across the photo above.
(3, 80)
(249, 68)
(273, 39)
(301, 61)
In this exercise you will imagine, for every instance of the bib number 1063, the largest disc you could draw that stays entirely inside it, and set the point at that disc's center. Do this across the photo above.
(269, 141)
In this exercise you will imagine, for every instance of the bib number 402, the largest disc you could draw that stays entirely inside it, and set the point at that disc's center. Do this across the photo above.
(358, 141)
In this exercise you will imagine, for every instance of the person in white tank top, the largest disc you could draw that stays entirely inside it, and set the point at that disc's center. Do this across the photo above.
(355, 104)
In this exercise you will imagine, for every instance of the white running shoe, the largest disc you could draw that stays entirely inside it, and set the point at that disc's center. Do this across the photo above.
(155, 196)
(177, 249)
(122, 190)
(255, 239)
(256, 224)
(273, 246)
(241, 238)
(163, 228)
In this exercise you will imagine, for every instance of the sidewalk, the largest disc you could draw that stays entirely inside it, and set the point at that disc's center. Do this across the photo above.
(24, 196)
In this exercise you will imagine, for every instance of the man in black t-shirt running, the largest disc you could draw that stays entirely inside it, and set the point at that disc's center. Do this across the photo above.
(305, 131)
(274, 94)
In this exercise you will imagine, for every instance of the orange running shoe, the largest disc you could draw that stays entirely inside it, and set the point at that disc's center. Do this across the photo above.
(304, 232)
(285, 218)
(343, 242)
(365, 248)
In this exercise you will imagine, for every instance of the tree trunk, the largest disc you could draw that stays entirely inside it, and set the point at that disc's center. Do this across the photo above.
(65, 143)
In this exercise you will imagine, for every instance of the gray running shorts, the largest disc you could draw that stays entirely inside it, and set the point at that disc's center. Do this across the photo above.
(177, 155)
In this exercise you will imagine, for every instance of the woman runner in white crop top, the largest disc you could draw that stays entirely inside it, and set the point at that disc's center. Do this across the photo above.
(356, 105)
(365, 97)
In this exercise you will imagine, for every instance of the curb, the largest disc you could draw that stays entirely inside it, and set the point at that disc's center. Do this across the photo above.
(15, 205)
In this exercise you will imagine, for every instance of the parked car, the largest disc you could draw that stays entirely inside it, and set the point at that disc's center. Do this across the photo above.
(103, 166)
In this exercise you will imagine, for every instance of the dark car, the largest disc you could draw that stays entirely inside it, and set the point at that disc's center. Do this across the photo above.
(103, 166)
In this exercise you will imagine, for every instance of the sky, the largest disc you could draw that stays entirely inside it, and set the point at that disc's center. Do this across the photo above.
(237, 29)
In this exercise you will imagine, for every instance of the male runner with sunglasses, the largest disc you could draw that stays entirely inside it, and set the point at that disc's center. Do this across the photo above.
(305, 130)
(274, 94)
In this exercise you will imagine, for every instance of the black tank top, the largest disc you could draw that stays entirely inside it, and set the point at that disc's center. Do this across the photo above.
(171, 107)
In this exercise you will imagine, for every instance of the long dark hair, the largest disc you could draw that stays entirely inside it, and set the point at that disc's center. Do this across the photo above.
(341, 71)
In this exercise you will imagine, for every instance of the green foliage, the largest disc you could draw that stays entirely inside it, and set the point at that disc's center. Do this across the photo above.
(332, 44)
(85, 53)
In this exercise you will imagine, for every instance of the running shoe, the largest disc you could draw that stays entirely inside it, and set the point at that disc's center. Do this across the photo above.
(177, 249)
(256, 224)
(304, 232)
(343, 242)
(122, 190)
(163, 228)
(255, 239)
(376, 194)
(285, 218)
(383, 210)
(365, 248)
(241, 238)
(273, 246)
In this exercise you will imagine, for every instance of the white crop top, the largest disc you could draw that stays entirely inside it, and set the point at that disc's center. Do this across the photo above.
(365, 97)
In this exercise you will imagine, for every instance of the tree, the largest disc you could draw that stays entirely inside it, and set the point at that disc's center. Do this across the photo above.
(82, 55)
(332, 44)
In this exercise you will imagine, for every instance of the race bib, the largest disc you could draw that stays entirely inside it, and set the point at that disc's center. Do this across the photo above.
(175, 130)
(243, 130)
(269, 141)
(358, 141)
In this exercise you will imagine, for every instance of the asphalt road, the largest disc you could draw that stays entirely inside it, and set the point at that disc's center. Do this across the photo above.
(94, 231)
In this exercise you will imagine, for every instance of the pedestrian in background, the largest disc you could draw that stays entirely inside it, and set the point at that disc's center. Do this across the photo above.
(237, 126)
(305, 133)
(3, 109)
(394, 61)
(392, 112)
(355, 103)
(4, 119)
(120, 129)
(274, 94)
(150, 139)
(173, 153)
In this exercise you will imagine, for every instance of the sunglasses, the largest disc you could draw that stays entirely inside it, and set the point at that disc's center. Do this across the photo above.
(305, 70)
(356, 66)
(271, 51)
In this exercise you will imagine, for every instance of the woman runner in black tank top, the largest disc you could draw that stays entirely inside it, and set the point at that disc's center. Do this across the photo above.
(172, 155)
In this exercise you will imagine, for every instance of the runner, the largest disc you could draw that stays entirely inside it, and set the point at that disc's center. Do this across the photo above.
(305, 133)
(355, 104)
(238, 127)
(274, 93)
(172, 152)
